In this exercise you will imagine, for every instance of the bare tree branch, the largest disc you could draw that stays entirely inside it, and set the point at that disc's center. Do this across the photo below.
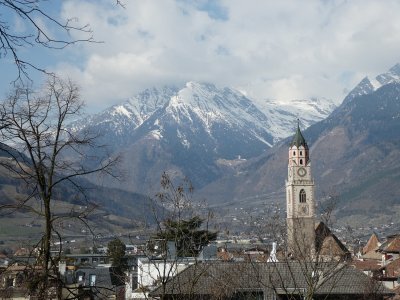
(50, 154)
(37, 19)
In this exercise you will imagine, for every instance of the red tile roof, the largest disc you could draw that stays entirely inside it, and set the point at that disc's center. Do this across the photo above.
(392, 268)
(372, 244)
(366, 265)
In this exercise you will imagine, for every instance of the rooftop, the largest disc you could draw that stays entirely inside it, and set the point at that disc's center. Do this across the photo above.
(227, 277)
(298, 139)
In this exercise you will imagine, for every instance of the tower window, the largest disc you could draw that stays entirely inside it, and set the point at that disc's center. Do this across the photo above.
(301, 152)
(302, 196)
(301, 161)
(294, 152)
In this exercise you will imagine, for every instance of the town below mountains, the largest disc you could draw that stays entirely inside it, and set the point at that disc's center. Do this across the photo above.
(233, 149)
(146, 238)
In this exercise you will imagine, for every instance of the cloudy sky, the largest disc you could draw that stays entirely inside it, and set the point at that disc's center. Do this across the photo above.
(269, 49)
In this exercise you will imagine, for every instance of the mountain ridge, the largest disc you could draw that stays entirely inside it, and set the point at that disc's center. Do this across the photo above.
(355, 155)
(234, 150)
(190, 130)
(367, 85)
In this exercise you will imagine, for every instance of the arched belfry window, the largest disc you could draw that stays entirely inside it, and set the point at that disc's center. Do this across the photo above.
(301, 152)
(301, 161)
(302, 196)
(294, 152)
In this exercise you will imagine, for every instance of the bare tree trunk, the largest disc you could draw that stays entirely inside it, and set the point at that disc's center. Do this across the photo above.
(46, 250)
(35, 125)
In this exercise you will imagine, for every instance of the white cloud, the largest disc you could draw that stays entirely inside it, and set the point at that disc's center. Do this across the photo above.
(270, 49)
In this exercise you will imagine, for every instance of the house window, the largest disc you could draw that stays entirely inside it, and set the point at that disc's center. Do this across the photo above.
(302, 196)
(80, 276)
(135, 280)
(92, 280)
(9, 282)
(19, 280)
(84, 260)
(248, 295)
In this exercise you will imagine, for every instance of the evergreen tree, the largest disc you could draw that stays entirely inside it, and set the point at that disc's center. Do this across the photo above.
(187, 235)
(116, 251)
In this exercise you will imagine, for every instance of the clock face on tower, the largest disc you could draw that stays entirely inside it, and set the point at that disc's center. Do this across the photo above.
(302, 171)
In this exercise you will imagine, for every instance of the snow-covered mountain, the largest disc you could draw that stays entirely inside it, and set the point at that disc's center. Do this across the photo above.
(117, 124)
(280, 115)
(192, 129)
(205, 113)
(368, 86)
(210, 104)
(355, 152)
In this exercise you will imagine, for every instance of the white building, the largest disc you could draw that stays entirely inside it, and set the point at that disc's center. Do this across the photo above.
(151, 273)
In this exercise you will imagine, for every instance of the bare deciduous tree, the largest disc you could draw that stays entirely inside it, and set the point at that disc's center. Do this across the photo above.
(42, 28)
(180, 233)
(50, 156)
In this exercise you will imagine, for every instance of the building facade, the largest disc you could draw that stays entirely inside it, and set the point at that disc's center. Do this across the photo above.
(300, 200)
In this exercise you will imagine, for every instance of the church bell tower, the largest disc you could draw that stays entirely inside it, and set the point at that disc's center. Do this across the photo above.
(300, 201)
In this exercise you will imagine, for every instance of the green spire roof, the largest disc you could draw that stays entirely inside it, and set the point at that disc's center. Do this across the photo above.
(298, 139)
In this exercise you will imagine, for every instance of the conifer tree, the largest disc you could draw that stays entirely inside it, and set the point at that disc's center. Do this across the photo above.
(187, 235)
(116, 251)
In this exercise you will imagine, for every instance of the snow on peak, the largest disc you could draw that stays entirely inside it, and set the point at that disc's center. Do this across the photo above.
(368, 86)
(375, 83)
(393, 75)
(210, 104)
(120, 109)
(148, 101)
(155, 134)
(395, 69)
(210, 107)
(198, 94)
(282, 115)
(194, 85)
(215, 105)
